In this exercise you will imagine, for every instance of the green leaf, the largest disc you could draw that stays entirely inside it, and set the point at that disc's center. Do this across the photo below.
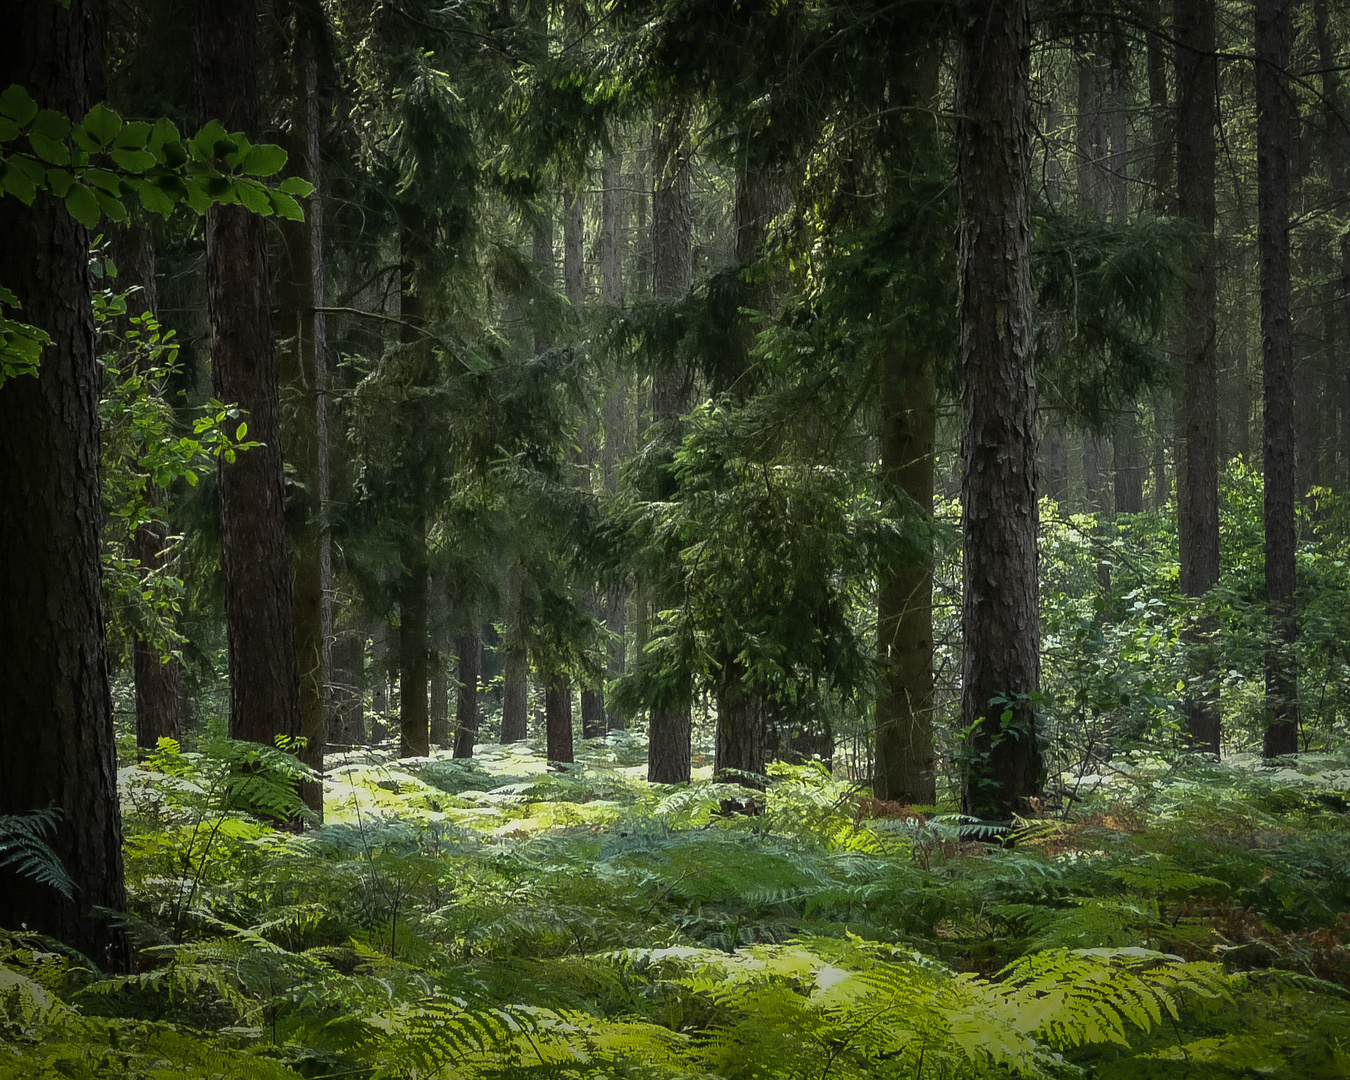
(133, 161)
(111, 206)
(102, 178)
(21, 178)
(264, 159)
(102, 124)
(17, 104)
(195, 197)
(51, 125)
(9, 130)
(240, 432)
(254, 196)
(295, 185)
(153, 199)
(60, 182)
(285, 206)
(205, 140)
(58, 153)
(133, 136)
(83, 206)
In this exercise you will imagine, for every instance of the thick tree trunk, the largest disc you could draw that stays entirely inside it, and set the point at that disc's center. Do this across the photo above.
(304, 377)
(56, 729)
(466, 704)
(515, 690)
(1197, 413)
(741, 731)
(1274, 42)
(1000, 616)
(558, 720)
(259, 609)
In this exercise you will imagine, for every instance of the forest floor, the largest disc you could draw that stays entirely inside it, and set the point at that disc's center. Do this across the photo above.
(499, 918)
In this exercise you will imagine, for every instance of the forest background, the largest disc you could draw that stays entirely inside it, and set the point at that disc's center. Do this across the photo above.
(912, 436)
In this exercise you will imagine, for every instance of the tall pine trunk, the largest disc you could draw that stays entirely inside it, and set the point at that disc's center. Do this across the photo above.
(1274, 41)
(905, 768)
(259, 608)
(558, 720)
(56, 730)
(670, 727)
(1000, 616)
(466, 705)
(1197, 412)
(304, 376)
(515, 689)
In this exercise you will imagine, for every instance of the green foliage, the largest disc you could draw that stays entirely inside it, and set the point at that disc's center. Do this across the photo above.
(23, 846)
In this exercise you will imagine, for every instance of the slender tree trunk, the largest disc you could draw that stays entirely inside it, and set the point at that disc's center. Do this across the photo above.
(1197, 413)
(304, 375)
(259, 608)
(349, 685)
(1000, 616)
(1274, 44)
(558, 720)
(1057, 462)
(56, 729)
(414, 653)
(515, 690)
(440, 699)
(158, 689)
(670, 727)
(466, 705)
(905, 766)
(1096, 472)
(384, 655)
(1129, 473)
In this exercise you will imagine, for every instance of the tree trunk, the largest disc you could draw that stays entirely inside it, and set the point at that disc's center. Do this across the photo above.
(304, 377)
(1057, 461)
(349, 685)
(515, 689)
(1274, 41)
(741, 731)
(440, 699)
(670, 726)
(905, 769)
(1096, 472)
(384, 656)
(1197, 413)
(593, 723)
(466, 705)
(1129, 474)
(259, 608)
(558, 720)
(1000, 616)
(159, 702)
(414, 653)
(56, 730)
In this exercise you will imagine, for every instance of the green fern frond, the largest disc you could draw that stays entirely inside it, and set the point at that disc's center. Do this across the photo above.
(23, 846)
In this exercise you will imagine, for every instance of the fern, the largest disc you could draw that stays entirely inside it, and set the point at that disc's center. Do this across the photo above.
(24, 847)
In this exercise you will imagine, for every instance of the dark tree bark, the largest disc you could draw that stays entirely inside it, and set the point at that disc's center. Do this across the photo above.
(259, 609)
(56, 729)
(1056, 483)
(1096, 472)
(466, 704)
(1001, 634)
(1197, 412)
(414, 653)
(515, 690)
(1129, 473)
(304, 378)
(558, 720)
(384, 659)
(670, 726)
(1274, 43)
(440, 699)
(905, 769)
(741, 731)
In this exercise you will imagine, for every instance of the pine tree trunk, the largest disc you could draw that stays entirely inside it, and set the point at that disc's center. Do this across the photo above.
(304, 376)
(1197, 413)
(466, 705)
(384, 659)
(1129, 474)
(670, 726)
(558, 720)
(741, 731)
(259, 608)
(1056, 483)
(515, 690)
(349, 685)
(440, 699)
(56, 729)
(414, 654)
(1274, 40)
(1000, 616)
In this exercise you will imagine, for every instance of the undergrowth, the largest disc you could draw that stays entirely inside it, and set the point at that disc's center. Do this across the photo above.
(494, 918)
